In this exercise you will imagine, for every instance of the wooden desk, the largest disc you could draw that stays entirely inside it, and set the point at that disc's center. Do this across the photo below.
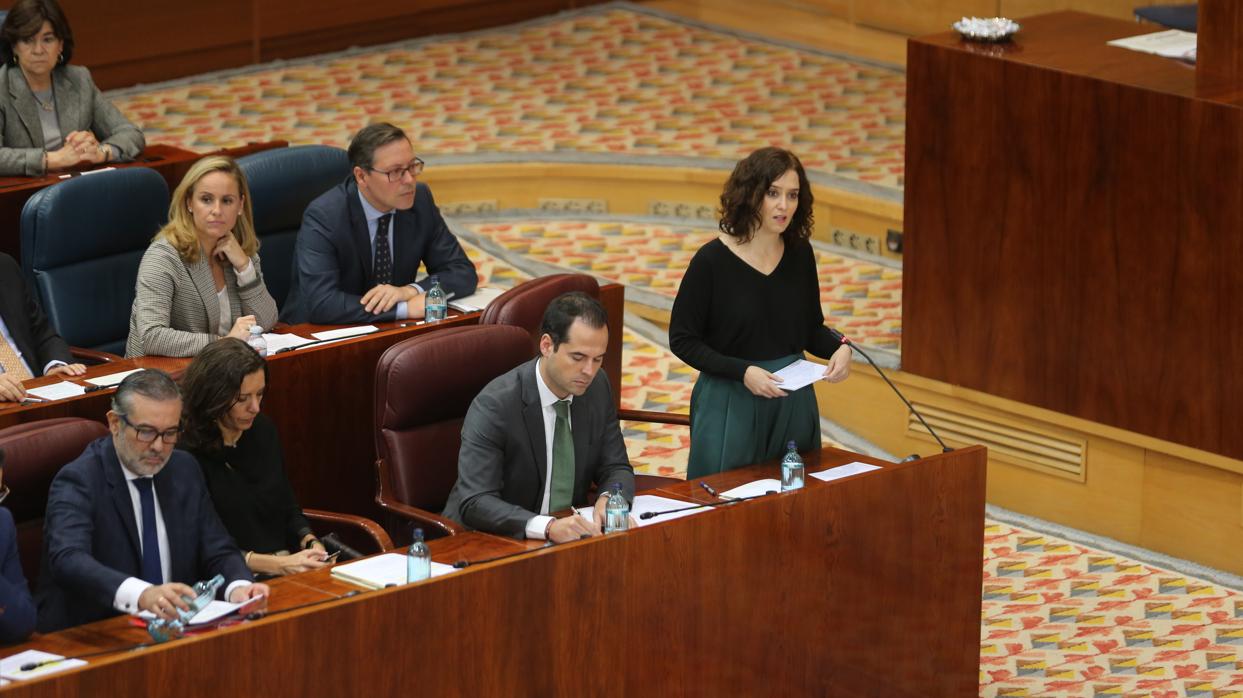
(864, 586)
(321, 399)
(1074, 220)
(172, 163)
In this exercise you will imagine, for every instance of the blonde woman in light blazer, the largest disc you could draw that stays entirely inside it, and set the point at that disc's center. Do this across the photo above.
(200, 278)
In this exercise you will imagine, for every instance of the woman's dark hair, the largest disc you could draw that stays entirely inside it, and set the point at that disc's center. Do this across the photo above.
(26, 18)
(742, 200)
(210, 387)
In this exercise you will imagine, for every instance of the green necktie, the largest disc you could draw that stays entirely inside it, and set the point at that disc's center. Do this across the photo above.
(561, 494)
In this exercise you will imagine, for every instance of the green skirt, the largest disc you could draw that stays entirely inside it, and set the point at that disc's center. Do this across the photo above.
(731, 428)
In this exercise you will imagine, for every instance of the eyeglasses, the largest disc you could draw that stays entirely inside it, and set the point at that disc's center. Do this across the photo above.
(148, 434)
(414, 169)
(4, 492)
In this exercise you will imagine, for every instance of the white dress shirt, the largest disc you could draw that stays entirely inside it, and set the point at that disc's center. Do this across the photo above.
(373, 216)
(538, 524)
(4, 330)
(126, 598)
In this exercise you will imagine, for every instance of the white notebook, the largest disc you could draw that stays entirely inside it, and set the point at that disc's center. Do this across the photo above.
(381, 571)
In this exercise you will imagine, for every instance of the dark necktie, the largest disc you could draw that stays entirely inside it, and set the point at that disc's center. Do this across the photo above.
(383, 254)
(150, 540)
(561, 493)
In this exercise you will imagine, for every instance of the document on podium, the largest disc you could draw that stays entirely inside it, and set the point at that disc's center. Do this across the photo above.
(58, 391)
(276, 342)
(476, 301)
(754, 489)
(11, 667)
(345, 332)
(644, 503)
(387, 570)
(111, 379)
(799, 374)
(844, 471)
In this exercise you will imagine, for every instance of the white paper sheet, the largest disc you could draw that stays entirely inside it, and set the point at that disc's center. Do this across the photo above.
(58, 391)
(844, 471)
(1173, 43)
(346, 332)
(476, 301)
(752, 489)
(798, 374)
(11, 667)
(644, 503)
(111, 379)
(381, 571)
(276, 342)
(214, 610)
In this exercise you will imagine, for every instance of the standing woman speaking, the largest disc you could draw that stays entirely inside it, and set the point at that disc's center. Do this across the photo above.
(51, 114)
(748, 305)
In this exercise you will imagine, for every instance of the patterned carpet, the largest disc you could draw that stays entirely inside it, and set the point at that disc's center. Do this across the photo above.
(620, 80)
(1059, 618)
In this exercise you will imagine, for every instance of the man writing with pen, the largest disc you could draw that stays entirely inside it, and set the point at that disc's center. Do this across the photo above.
(537, 437)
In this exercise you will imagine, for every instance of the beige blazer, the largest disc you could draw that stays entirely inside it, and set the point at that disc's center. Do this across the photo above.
(80, 106)
(175, 309)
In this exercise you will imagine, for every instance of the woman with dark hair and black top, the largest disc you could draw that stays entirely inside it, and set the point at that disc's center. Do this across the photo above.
(240, 453)
(748, 305)
(51, 114)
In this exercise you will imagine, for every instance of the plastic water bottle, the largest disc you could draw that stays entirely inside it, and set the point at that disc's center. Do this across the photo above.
(616, 511)
(435, 305)
(418, 559)
(791, 469)
(256, 340)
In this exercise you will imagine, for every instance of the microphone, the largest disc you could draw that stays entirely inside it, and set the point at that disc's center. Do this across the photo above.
(333, 544)
(733, 500)
(914, 456)
(463, 564)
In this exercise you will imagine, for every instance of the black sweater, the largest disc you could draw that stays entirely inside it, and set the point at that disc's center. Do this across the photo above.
(252, 494)
(727, 314)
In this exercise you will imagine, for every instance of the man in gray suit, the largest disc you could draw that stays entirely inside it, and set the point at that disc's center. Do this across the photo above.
(536, 437)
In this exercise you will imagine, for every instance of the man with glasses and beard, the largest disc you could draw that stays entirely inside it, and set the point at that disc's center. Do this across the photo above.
(130, 524)
(361, 242)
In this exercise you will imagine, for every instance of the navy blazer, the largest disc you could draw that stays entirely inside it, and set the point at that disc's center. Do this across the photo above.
(27, 323)
(17, 611)
(333, 257)
(91, 541)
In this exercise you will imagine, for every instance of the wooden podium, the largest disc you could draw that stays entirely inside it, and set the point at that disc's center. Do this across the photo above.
(1074, 220)
(866, 586)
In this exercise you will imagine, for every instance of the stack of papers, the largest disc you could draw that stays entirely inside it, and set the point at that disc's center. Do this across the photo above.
(1170, 44)
(58, 391)
(213, 611)
(276, 342)
(381, 571)
(476, 301)
(644, 503)
(799, 374)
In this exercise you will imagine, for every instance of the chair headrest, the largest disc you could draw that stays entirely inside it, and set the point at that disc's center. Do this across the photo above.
(284, 180)
(35, 452)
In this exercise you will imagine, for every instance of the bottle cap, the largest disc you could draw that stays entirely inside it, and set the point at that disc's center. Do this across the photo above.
(792, 446)
(255, 329)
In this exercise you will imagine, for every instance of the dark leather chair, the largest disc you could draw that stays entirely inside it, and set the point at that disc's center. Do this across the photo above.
(1184, 17)
(82, 241)
(282, 182)
(361, 534)
(523, 306)
(423, 387)
(33, 454)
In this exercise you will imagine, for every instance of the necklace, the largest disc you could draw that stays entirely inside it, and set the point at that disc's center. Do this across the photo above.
(46, 106)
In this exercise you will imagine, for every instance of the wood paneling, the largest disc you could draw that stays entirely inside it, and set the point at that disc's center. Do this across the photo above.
(920, 16)
(865, 586)
(1219, 44)
(126, 42)
(1073, 217)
